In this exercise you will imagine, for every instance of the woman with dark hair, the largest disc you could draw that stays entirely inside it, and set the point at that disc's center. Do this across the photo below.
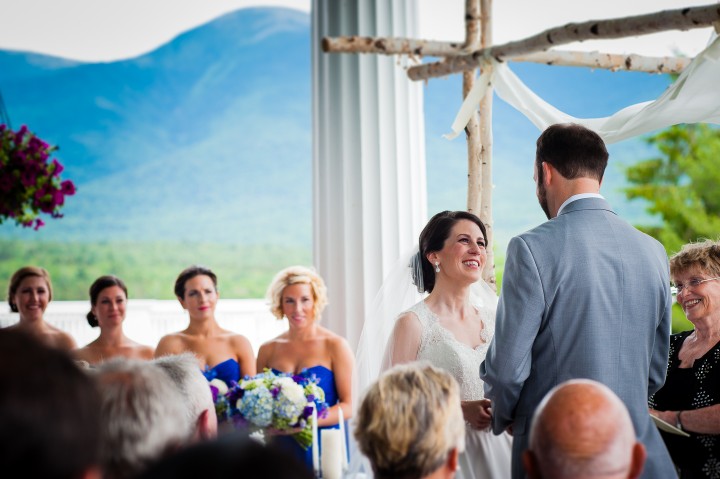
(29, 293)
(108, 305)
(451, 327)
(223, 354)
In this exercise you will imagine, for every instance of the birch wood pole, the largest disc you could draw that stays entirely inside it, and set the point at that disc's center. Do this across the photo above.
(417, 48)
(472, 129)
(680, 19)
(486, 140)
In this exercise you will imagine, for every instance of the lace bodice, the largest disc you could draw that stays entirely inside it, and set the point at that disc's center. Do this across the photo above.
(439, 346)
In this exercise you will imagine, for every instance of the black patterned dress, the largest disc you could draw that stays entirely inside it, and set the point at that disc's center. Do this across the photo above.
(697, 456)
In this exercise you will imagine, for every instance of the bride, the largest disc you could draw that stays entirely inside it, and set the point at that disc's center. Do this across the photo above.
(451, 327)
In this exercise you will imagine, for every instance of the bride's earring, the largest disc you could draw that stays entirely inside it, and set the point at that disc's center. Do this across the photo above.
(437, 266)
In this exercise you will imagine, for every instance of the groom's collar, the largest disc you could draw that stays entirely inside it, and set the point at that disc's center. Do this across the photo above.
(578, 197)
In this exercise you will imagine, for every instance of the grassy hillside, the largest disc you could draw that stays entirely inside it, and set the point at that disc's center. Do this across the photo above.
(148, 269)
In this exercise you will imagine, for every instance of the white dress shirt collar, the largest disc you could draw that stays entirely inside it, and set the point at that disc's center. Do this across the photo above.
(578, 197)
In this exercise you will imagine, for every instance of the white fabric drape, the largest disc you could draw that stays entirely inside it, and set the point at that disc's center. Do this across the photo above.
(693, 98)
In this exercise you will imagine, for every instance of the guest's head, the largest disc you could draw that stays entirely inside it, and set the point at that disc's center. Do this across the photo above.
(196, 289)
(229, 456)
(29, 292)
(581, 429)
(297, 290)
(695, 270)
(49, 412)
(567, 152)
(193, 389)
(448, 239)
(410, 424)
(108, 300)
(141, 416)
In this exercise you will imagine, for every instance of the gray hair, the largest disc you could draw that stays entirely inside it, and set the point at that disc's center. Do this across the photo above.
(192, 387)
(139, 416)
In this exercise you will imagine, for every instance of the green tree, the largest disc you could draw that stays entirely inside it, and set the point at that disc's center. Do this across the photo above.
(681, 185)
(681, 188)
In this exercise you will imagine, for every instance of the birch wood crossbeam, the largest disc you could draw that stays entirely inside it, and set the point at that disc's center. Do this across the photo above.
(680, 19)
(454, 53)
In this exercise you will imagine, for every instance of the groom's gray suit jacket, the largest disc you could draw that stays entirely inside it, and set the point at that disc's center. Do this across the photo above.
(584, 295)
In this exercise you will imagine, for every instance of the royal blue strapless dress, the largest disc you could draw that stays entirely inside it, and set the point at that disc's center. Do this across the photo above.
(327, 383)
(228, 370)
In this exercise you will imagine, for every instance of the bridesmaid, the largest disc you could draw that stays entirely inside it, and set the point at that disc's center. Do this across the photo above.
(108, 302)
(223, 354)
(29, 293)
(299, 294)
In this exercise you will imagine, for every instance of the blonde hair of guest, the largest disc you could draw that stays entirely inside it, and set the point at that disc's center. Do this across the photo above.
(410, 422)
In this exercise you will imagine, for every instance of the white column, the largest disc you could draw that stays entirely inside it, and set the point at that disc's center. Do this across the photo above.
(369, 188)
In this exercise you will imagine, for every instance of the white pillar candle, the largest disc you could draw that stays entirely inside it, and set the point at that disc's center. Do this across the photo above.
(331, 461)
(315, 452)
(343, 438)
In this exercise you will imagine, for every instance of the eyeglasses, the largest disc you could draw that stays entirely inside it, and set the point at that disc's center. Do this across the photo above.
(679, 287)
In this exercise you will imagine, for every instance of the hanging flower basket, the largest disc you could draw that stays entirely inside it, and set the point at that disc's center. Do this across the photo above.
(30, 181)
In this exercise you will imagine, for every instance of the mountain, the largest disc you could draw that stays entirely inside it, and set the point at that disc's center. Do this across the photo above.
(204, 139)
(208, 138)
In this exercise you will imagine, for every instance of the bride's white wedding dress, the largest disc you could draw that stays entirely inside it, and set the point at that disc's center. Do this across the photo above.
(486, 456)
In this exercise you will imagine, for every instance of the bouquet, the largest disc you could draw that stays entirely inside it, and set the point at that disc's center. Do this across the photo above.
(29, 182)
(279, 401)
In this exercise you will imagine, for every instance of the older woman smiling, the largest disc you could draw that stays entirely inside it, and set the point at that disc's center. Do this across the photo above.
(690, 398)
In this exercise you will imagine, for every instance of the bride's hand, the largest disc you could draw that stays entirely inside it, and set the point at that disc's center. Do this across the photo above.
(477, 413)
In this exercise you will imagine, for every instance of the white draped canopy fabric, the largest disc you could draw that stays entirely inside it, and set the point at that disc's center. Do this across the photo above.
(693, 98)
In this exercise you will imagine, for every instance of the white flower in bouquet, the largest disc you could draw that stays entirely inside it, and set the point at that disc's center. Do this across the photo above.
(289, 403)
(220, 385)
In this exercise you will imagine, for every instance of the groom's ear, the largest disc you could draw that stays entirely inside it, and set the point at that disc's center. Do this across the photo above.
(548, 172)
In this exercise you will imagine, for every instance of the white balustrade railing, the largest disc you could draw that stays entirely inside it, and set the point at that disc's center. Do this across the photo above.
(147, 320)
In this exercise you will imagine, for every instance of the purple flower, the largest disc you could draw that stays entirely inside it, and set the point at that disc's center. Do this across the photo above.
(58, 168)
(67, 187)
(29, 182)
(28, 178)
(58, 198)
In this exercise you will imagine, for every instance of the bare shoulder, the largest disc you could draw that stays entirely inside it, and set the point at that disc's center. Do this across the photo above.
(172, 343)
(145, 352)
(86, 353)
(238, 340)
(64, 341)
(408, 321)
(334, 341)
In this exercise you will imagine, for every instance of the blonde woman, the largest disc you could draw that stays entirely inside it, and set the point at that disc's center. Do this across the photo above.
(108, 304)
(29, 293)
(223, 354)
(299, 294)
(410, 423)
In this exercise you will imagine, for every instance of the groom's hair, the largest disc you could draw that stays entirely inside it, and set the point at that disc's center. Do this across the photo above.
(432, 238)
(573, 150)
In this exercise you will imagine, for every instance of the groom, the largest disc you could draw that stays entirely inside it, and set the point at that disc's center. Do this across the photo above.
(584, 295)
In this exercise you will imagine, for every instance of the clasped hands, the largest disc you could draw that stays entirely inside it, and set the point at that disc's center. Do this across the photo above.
(478, 414)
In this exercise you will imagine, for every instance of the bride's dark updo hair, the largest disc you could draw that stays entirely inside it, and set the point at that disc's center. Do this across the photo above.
(101, 283)
(432, 238)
